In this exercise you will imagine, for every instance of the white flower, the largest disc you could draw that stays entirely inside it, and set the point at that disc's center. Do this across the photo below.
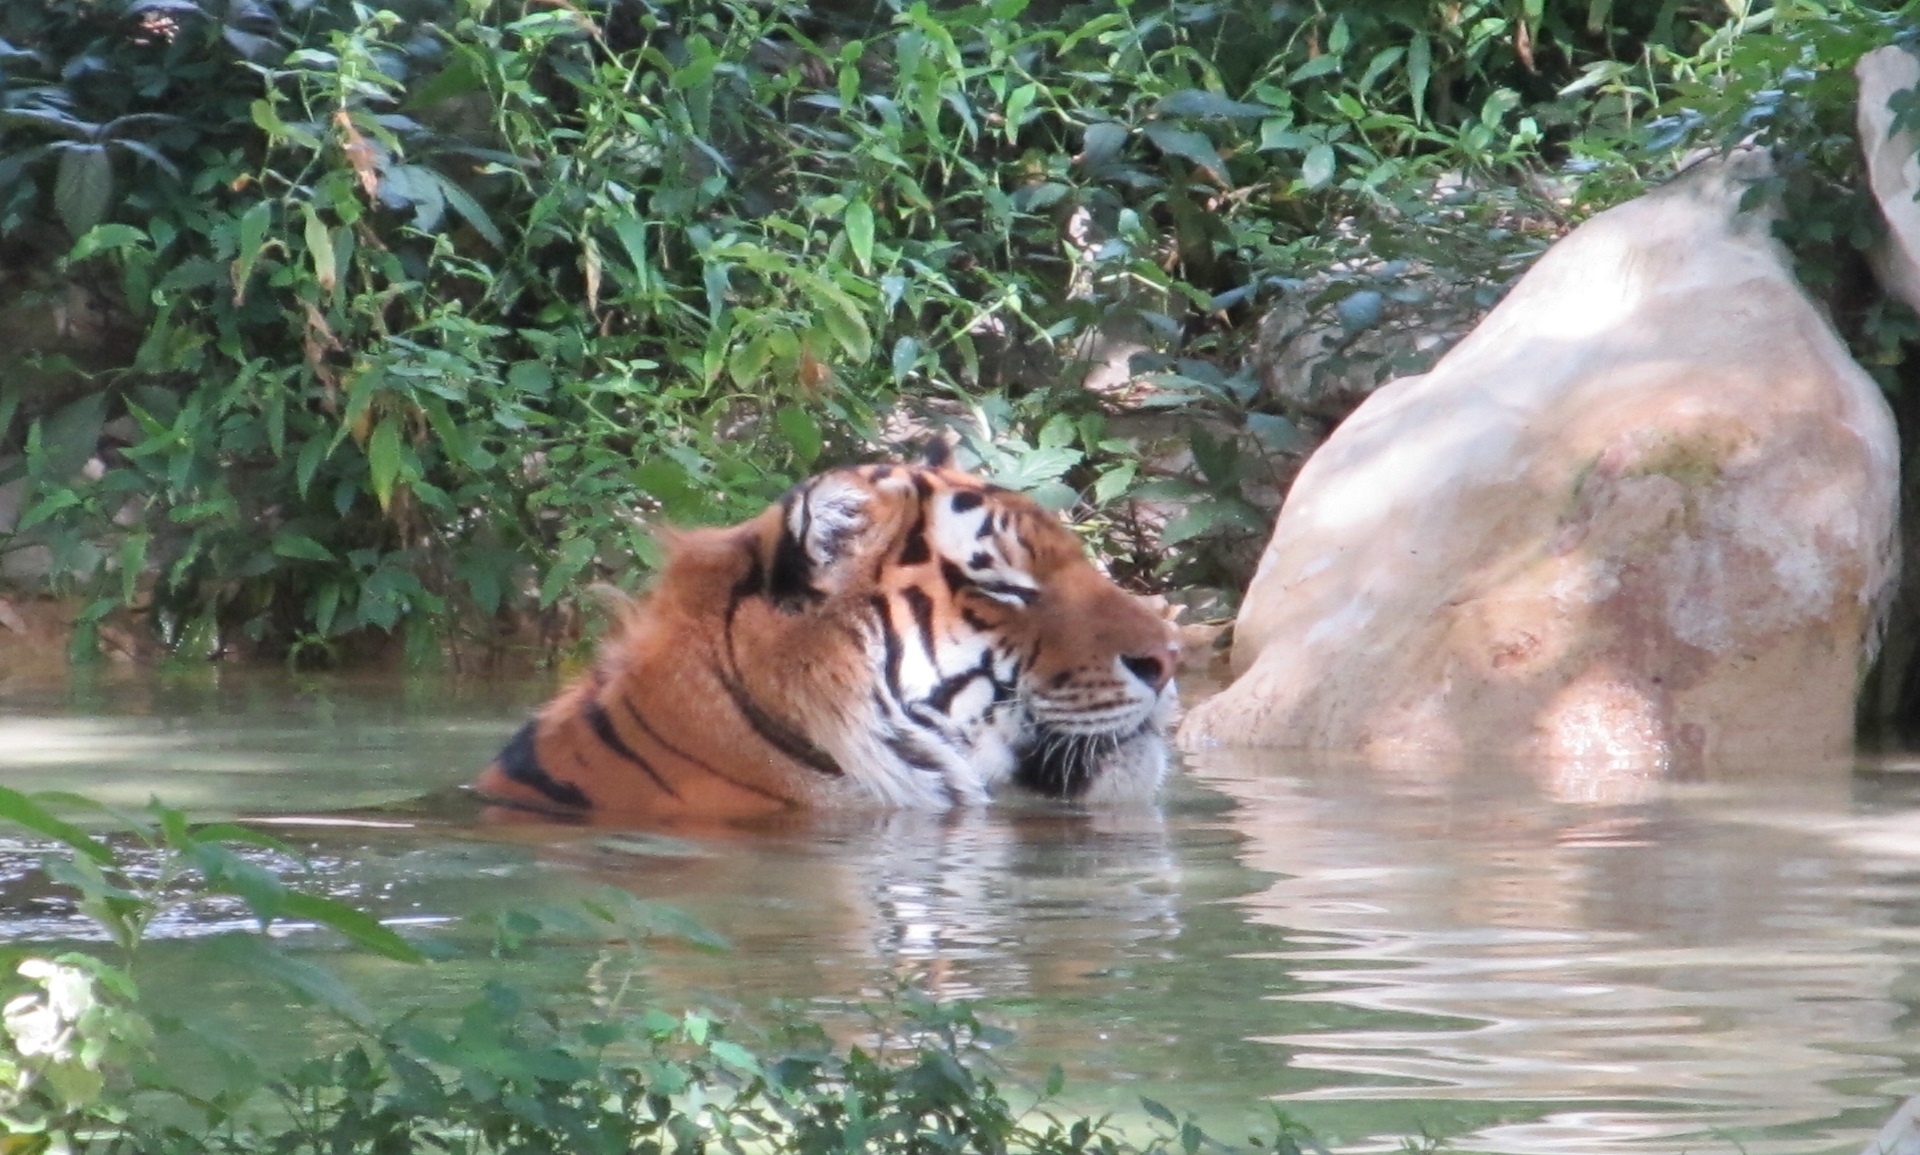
(43, 1024)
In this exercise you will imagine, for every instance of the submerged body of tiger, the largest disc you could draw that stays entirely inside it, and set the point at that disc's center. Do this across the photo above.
(885, 635)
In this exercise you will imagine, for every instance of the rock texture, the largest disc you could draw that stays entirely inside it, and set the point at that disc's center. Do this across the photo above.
(1643, 513)
(1893, 169)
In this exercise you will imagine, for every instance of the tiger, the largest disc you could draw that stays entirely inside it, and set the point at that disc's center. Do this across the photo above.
(884, 635)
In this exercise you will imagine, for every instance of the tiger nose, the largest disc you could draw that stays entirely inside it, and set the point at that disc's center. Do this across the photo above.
(1155, 668)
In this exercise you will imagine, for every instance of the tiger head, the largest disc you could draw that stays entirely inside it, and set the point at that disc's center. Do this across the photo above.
(884, 635)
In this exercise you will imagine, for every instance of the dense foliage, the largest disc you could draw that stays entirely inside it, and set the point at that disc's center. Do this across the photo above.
(85, 1067)
(415, 320)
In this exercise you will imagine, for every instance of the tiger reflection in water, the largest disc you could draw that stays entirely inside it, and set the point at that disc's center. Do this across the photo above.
(1008, 903)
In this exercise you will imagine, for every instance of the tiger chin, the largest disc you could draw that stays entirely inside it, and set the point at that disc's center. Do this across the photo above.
(883, 636)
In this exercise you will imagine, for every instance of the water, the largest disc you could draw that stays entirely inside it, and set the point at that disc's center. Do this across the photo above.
(1519, 960)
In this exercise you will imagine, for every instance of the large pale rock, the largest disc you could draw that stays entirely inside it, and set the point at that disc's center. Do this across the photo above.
(1643, 513)
(1893, 169)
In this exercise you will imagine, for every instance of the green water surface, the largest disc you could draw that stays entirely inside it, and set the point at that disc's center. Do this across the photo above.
(1519, 959)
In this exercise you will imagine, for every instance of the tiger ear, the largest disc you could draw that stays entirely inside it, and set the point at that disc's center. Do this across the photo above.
(821, 524)
(938, 453)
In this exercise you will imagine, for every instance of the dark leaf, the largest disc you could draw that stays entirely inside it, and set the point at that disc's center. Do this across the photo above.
(82, 186)
(24, 811)
(1102, 142)
(1200, 103)
(1187, 144)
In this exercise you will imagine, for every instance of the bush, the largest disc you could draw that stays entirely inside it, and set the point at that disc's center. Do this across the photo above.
(433, 311)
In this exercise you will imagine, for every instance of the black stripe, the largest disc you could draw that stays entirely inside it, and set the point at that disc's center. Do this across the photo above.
(916, 552)
(521, 763)
(967, 499)
(700, 762)
(776, 732)
(922, 484)
(942, 697)
(753, 583)
(603, 729)
(922, 607)
(911, 752)
(910, 749)
(956, 580)
(1022, 594)
(890, 638)
(790, 580)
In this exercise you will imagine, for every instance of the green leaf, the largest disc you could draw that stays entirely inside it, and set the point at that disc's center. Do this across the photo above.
(1018, 102)
(1317, 169)
(1317, 67)
(906, 354)
(734, 1055)
(633, 238)
(1190, 522)
(462, 75)
(1058, 432)
(802, 431)
(306, 979)
(69, 437)
(82, 186)
(364, 929)
(46, 507)
(1102, 142)
(470, 211)
(131, 560)
(1186, 143)
(841, 316)
(311, 455)
(319, 250)
(574, 556)
(1276, 433)
(101, 238)
(1419, 70)
(1498, 103)
(1201, 103)
(267, 119)
(1277, 133)
(245, 836)
(530, 377)
(24, 811)
(859, 224)
(298, 545)
(1114, 482)
(1382, 60)
(253, 241)
(748, 360)
(383, 459)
